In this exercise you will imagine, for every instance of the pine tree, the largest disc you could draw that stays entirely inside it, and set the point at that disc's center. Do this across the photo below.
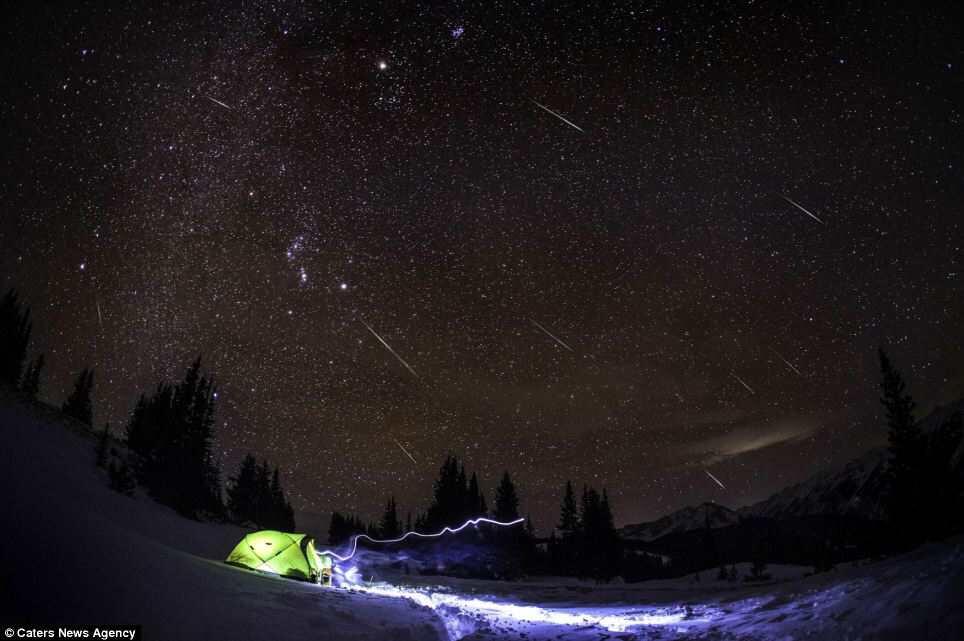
(476, 501)
(337, 529)
(390, 528)
(278, 502)
(599, 552)
(103, 443)
(242, 491)
(568, 513)
(171, 434)
(78, 404)
(943, 494)
(450, 496)
(506, 500)
(15, 329)
(30, 386)
(262, 493)
(906, 465)
(121, 479)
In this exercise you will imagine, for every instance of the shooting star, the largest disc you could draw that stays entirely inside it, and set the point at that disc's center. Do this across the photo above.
(559, 116)
(788, 363)
(389, 348)
(802, 208)
(218, 102)
(402, 447)
(742, 382)
(718, 481)
(100, 316)
(551, 335)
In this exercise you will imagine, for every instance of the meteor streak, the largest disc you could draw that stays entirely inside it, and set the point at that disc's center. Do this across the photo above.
(788, 363)
(568, 122)
(718, 481)
(402, 447)
(801, 208)
(389, 348)
(218, 102)
(551, 335)
(443, 532)
(742, 382)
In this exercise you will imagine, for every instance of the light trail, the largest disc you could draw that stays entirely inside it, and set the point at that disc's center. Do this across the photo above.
(802, 208)
(453, 609)
(718, 481)
(218, 102)
(788, 363)
(443, 532)
(551, 335)
(389, 348)
(404, 450)
(742, 382)
(559, 116)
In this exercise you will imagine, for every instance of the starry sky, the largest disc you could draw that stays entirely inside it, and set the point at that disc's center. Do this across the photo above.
(625, 243)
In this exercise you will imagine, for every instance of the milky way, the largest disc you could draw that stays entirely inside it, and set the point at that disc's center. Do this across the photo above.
(257, 182)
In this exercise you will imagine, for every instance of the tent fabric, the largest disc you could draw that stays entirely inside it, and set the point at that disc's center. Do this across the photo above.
(283, 553)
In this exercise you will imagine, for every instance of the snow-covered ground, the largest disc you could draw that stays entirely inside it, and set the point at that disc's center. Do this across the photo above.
(72, 551)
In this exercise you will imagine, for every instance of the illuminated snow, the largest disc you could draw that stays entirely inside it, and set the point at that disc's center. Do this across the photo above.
(455, 609)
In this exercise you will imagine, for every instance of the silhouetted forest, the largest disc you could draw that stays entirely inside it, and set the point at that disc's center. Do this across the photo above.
(168, 440)
(588, 546)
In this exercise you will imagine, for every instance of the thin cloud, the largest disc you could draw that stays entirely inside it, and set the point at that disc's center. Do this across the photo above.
(751, 438)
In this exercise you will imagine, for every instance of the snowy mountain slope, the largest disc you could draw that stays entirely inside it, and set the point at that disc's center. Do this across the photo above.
(685, 520)
(855, 490)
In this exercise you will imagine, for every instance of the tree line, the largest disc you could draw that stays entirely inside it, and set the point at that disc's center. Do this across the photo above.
(168, 439)
(925, 500)
(585, 543)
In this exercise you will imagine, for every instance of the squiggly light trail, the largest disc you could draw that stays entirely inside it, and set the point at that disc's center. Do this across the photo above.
(443, 532)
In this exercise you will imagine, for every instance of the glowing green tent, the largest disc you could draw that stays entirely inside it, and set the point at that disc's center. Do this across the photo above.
(290, 555)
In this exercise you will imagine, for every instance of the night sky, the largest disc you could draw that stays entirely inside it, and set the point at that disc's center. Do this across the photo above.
(622, 245)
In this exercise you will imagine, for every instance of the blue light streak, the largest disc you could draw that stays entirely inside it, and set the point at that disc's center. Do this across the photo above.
(443, 532)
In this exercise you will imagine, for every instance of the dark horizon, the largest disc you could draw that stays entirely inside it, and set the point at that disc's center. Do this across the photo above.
(618, 246)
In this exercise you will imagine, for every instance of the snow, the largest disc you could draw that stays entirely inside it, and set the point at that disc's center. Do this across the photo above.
(75, 552)
(856, 489)
(684, 520)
